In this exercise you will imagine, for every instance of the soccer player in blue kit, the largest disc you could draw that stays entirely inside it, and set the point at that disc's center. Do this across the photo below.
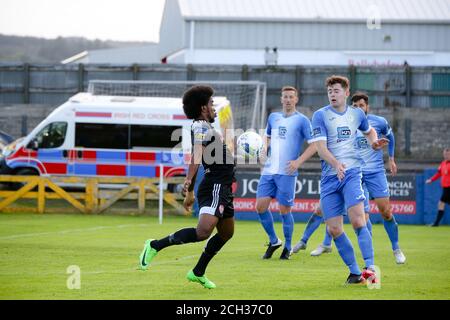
(374, 174)
(374, 183)
(285, 133)
(335, 128)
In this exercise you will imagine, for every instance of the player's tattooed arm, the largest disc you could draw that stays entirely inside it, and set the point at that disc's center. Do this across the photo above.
(189, 182)
(188, 186)
(196, 159)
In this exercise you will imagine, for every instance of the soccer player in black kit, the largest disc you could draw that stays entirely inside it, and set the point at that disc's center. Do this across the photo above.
(214, 194)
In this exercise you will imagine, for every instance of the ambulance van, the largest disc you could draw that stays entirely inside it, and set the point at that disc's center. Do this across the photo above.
(99, 135)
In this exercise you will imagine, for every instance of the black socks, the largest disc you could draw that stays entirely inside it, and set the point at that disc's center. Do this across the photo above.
(186, 235)
(439, 217)
(189, 235)
(212, 247)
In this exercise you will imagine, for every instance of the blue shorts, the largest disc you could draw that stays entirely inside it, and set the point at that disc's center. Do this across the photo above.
(280, 187)
(366, 202)
(337, 196)
(376, 183)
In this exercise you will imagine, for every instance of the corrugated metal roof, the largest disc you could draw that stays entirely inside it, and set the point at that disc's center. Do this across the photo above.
(437, 11)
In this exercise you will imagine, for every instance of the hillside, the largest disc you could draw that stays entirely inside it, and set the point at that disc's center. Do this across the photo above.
(40, 50)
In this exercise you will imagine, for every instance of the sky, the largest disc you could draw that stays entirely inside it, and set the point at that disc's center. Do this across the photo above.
(121, 20)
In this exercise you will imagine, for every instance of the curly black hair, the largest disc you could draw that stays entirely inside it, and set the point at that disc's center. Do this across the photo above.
(194, 99)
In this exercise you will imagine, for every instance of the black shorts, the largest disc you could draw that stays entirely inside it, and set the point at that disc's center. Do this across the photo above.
(215, 199)
(446, 195)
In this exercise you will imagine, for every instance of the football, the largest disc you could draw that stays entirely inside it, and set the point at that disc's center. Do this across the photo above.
(249, 145)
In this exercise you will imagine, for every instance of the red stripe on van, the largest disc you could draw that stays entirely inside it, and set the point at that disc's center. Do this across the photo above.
(89, 155)
(179, 117)
(55, 168)
(110, 170)
(141, 156)
(93, 114)
(22, 152)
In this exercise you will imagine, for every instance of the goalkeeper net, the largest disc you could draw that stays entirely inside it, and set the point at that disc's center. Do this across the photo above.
(247, 98)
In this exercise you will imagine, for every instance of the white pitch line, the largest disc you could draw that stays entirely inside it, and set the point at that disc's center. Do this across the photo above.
(25, 235)
(119, 271)
(137, 268)
(128, 270)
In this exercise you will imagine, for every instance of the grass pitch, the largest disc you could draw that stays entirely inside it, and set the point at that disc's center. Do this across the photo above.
(36, 251)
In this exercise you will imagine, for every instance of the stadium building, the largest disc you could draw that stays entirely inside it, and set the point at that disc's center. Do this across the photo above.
(306, 32)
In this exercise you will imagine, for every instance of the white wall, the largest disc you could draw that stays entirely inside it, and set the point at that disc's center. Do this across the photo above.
(311, 57)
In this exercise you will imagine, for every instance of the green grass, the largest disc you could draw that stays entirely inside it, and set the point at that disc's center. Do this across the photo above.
(36, 250)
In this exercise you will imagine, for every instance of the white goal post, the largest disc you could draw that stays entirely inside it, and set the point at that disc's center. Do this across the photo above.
(247, 98)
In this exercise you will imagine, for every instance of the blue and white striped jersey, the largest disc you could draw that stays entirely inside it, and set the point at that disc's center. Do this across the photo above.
(372, 160)
(339, 130)
(287, 135)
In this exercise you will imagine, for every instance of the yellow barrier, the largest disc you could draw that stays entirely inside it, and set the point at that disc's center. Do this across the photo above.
(97, 195)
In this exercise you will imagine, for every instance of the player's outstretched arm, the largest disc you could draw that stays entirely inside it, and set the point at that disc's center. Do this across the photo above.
(326, 155)
(376, 143)
(264, 153)
(305, 156)
(435, 177)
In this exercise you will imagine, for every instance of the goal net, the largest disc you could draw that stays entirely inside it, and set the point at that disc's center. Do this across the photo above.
(247, 98)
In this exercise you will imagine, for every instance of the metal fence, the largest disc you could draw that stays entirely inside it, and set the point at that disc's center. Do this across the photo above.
(406, 86)
(415, 100)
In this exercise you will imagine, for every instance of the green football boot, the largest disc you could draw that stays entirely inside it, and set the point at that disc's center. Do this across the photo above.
(203, 280)
(147, 255)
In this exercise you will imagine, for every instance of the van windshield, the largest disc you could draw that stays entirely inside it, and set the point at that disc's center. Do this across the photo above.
(52, 136)
(124, 136)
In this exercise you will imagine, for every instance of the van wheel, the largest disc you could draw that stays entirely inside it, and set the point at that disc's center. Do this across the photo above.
(23, 172)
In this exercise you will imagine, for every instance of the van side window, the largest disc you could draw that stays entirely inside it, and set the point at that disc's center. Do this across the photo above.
(151, 136)
(101, 136)
(52, 136)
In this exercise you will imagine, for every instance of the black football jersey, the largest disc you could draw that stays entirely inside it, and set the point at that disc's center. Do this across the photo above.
(217, 160)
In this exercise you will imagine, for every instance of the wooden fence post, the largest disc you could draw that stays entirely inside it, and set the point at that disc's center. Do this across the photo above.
(91, 196)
